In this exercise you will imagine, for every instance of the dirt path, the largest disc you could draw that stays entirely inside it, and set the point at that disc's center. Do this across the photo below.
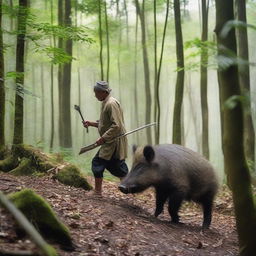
(120, 224)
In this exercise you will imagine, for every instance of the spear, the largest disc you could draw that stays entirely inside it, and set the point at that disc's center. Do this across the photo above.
(95, 145)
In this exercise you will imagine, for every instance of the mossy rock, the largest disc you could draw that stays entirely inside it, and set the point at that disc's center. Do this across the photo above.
(40, 160)
(41, 215)
(24, 168)
(72, 176)
(9, 163)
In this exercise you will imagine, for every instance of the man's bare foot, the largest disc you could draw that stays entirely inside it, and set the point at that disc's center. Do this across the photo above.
(95, 193)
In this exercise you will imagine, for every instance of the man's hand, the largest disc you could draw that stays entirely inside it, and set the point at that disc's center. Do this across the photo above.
(100, 141)
(86, 124)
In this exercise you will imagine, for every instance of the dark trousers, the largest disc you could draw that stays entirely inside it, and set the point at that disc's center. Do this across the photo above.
(115, 166)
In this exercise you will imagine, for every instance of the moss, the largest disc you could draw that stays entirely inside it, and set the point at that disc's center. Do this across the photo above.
(24, 168)
(41, 215)
(72, 176)
(8, 163)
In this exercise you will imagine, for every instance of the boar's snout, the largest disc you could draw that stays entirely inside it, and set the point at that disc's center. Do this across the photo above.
(123, 189)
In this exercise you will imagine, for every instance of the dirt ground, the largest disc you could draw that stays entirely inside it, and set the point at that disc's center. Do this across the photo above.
(119, 224)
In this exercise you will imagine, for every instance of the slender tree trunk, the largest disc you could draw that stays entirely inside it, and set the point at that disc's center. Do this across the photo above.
(141, 14)
(177, 128)
(20, 49)
(2, 89)
(52, 86)
(107, 37)
(127, 23)
(234, 156)
(136, 104)
(244, 77)
(101, 42)
(158, 112)
(203, 79)
(65, 85)
(42, 104)
(155, 75)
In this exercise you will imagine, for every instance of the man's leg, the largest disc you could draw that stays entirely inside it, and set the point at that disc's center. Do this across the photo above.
(98, 185)
(98, 166)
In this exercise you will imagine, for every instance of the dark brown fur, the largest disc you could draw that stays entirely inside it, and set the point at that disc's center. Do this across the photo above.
(178, 174)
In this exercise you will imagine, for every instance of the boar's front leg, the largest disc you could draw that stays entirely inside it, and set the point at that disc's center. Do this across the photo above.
(161, 197)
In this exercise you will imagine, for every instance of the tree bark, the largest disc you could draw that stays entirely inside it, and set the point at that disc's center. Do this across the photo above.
(107, 37)
(141, 15)
(158, 110)
(177, 127)
(2, 88)
(20, 50)
(203, 80)
(244, 77)
(101, 42)
(234, 156)
(65, 81)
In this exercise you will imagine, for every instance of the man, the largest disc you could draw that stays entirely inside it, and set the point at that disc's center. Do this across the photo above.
(112, 153)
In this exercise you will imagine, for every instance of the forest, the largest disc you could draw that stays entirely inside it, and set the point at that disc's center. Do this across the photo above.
(186, 65)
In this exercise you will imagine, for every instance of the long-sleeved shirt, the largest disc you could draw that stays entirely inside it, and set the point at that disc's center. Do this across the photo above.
(111, 124)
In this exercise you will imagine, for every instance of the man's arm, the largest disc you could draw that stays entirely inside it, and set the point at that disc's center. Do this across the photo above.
(90, 123)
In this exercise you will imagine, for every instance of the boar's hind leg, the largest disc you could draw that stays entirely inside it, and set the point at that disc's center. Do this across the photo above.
(207, 201)
(175, 201)
(161, 198)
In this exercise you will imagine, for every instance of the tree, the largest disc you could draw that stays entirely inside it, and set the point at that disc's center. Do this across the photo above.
(2, 90)
(244, 76)
(64, 77)
(203, 80)
(107, 39)
(20, 50)
(101, 40)
(158, 69)
(179, 87)
(141, 13)
(234, 156)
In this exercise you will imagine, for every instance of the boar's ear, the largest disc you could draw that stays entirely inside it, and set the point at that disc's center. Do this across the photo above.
(134, 147)
(149, 153)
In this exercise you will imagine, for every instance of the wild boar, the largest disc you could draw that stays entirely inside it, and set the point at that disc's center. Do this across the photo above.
(177, 173)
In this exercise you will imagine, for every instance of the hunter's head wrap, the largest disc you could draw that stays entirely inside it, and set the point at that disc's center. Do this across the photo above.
(102, 86)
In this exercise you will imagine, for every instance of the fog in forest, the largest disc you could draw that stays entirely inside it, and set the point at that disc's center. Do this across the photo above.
(126, 78)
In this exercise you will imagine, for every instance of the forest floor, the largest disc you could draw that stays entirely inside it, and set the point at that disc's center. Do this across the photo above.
(119, 224)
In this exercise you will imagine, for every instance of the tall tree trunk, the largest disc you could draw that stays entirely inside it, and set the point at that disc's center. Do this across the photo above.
(158, 110)
(2, 89)
(65, 84)
(20, 49)
(234, 156)
(127, 23)
(42, 105)
(141, 14)
(136, 104)
(155, 75)
(107, 37)
(177, 128)
(244, 77)
(101, 42)
(119, 49)
(203, 79)
(52, 88)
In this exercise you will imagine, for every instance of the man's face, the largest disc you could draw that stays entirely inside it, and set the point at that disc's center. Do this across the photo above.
(100, 95)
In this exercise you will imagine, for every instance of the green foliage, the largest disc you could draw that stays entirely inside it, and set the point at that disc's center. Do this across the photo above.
(89, 7)
(41, 215)
(57, 55)
(193, 50)
(232, 101)
(235, 24)
(68, 33)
